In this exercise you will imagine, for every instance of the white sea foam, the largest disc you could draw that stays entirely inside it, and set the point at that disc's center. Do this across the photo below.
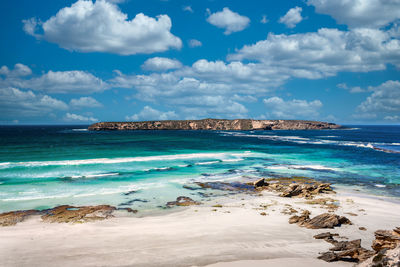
(80, 130)
(208, 162)
(94, 175)
(220, 156)
(380, 185)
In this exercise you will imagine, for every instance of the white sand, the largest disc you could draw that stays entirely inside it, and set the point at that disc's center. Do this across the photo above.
(188, 238)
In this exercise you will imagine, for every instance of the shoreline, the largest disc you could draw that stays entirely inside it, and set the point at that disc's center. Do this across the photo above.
(225, 230)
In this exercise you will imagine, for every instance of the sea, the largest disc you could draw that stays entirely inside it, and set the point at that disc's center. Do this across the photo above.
(46, 166)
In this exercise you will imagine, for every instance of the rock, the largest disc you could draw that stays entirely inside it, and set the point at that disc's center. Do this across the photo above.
(183, 201)
(329, 256)
(325, 220)
(358, 254)
(362, 228)
(263, 214)
(215, 124)
(67, 214)
(386, 239)
(305, 216)
(14, 217)
(328, 236)
(346, 245)
(260, 183)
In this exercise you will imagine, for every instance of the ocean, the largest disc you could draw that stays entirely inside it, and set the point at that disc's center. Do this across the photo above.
(46, 166)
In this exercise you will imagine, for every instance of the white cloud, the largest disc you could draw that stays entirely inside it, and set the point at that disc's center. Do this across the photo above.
(85, 102)
(18, 71)
(79, 118)
(15, 102)
(324, 53)
(264, 19)
(229, 20)
(383, 102)
(392, 118)
(101, 27)
(292, 17)
(292, 109)
(194, 43)
(79, 82)
(353, 90)
(188, 9)
(149, 113)
(359, 13)
(161, 64)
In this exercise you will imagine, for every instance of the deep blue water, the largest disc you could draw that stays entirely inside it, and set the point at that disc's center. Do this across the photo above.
(45, 166)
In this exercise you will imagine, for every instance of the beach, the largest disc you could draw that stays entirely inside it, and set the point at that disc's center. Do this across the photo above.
(227, 231)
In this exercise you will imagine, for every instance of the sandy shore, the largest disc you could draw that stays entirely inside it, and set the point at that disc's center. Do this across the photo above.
(234, 235)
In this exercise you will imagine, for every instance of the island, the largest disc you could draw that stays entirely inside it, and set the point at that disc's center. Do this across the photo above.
(215, 124)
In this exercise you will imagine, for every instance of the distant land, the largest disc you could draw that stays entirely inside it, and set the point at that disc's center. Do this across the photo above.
(215, 124)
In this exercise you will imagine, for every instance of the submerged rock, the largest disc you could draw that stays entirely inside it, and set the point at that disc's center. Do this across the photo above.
(183, 201)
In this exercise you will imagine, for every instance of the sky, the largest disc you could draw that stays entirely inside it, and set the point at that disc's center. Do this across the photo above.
(80, 62)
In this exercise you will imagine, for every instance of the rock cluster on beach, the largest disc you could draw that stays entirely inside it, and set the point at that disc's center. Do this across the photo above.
(62, 214)
(215, 124)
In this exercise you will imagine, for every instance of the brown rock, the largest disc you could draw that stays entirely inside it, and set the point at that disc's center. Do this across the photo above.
(66, 214)
(328, 236)
(346, 245)
(329, 256)
(386, 239)
(260, 183)
(14, 217)
(325, 220)
(305, 216)
(183, 201)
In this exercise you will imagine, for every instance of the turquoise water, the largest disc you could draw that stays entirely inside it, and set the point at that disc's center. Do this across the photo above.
(46, 166)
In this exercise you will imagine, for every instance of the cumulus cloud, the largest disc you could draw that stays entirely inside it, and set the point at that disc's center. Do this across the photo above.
(353, 90)
(292, 17)
(149, 113)
(85, 102)
(78, 82)
(291, 109)
(79, 118)
(161, 64)
(194, 43)
(19, 103)
(365, 13)
(18, 71)
(324, 53)
(384, 102)
(101, 27)
(229, 20)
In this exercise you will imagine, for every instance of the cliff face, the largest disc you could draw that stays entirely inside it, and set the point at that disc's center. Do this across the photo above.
(215, 124)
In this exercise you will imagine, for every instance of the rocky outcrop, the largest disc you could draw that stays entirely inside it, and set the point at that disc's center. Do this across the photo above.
(325, 220)
(386, 239)
(215, 124)
(70, 214)
(387, 258)
(183, 201)
(343, 250)
(14, 217)
(62, 214)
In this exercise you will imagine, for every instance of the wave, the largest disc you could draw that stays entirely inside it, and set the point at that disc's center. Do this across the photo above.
(80, 130)
(88, 176)
(314, 167)
(220, 156)
(208, 162)
(383, 147)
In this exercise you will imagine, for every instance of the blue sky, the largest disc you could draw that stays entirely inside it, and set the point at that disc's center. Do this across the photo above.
(70, 62)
